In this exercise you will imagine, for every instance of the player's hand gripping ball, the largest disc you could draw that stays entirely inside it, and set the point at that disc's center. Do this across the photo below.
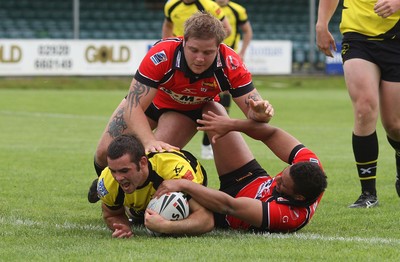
(171, 206)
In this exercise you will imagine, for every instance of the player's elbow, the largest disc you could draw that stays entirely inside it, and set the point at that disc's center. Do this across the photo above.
(209, 224)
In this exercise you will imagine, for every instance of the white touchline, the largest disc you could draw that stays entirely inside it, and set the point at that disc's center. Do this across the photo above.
(51, 115)
(65, 225)
(304, 236)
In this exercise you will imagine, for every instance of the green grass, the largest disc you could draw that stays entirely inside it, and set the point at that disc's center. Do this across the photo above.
(49, 131)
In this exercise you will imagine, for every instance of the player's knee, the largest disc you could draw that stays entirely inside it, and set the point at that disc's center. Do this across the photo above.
(214, 107)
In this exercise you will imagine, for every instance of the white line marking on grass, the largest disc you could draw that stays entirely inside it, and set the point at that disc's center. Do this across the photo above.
(51, 115)
(303, 236)
(13, 221)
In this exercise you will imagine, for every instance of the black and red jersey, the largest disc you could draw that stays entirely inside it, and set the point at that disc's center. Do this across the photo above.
(164, 67)
(279, 214)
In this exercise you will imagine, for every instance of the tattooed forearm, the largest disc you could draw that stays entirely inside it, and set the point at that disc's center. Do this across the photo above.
(117, 124)
(254, 97)
(137, 92)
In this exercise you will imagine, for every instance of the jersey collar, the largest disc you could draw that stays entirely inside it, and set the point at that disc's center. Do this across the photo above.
(180, 63)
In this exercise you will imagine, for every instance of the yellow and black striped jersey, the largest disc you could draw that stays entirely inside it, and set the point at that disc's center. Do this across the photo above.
(162, 166)
(358, 16)
(236, 15)
(177, 12)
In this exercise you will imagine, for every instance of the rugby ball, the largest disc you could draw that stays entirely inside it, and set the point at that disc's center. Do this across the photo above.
(171, 206)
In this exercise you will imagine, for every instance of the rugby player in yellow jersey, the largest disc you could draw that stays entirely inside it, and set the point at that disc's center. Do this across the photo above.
(131, 179)
(178, 11)
(371, 63)
(240, 24)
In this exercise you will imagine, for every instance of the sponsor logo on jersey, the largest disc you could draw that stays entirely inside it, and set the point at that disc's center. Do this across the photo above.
(232, 62)
(209, 85)
(345, 48)
(264, 189)
(178, 169)
(188, 175)
(159, 57)
(186, 99)
(189, 91)
(101, 188)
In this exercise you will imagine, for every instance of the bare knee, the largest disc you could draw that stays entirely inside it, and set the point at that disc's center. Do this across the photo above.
(393, 131)
(215, 107)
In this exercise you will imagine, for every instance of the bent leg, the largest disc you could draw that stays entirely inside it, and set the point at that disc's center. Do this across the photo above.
(230, 151)
(175, 129)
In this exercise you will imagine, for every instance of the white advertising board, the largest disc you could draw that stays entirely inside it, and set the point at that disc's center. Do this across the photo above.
(269, 57)
(48, 57)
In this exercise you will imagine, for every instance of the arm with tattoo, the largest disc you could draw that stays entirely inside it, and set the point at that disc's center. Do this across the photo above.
(254, 107)
(136, 93)
(130, 117)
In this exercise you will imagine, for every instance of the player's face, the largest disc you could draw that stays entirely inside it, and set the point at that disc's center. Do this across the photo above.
(128, 175)
(285, 183)
(200, 53)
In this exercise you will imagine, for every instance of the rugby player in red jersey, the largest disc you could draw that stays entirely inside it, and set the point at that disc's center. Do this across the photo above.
(249, 198)
(173, 82)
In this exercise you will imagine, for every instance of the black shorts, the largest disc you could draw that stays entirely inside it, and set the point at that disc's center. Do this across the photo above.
(154, 113)
(385, 54)
(233, 182)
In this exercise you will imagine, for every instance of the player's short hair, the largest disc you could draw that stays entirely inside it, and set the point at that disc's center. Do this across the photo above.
(309, 180)
(203, 25)
(126, 144)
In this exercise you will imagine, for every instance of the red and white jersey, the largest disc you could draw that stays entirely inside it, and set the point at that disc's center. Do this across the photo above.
(164, 67)
(278, 214)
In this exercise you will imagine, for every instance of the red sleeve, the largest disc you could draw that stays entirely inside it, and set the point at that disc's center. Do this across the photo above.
(239, 77)
(305, 155)
(285, 218)
(157, 62)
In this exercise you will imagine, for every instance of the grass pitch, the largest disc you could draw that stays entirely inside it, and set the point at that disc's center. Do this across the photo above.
(49, 131)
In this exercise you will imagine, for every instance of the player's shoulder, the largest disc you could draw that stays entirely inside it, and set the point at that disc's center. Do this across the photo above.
(170, 3)
(237, 6)
(229, 56)
(213, 8)
(226, 50)
(163, 155)
(107, 186)
(165, 48)
(305, 154)
(168, 42)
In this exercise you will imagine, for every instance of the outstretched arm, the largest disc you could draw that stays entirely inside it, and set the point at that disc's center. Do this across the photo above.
(278, 141)
(244, 208)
